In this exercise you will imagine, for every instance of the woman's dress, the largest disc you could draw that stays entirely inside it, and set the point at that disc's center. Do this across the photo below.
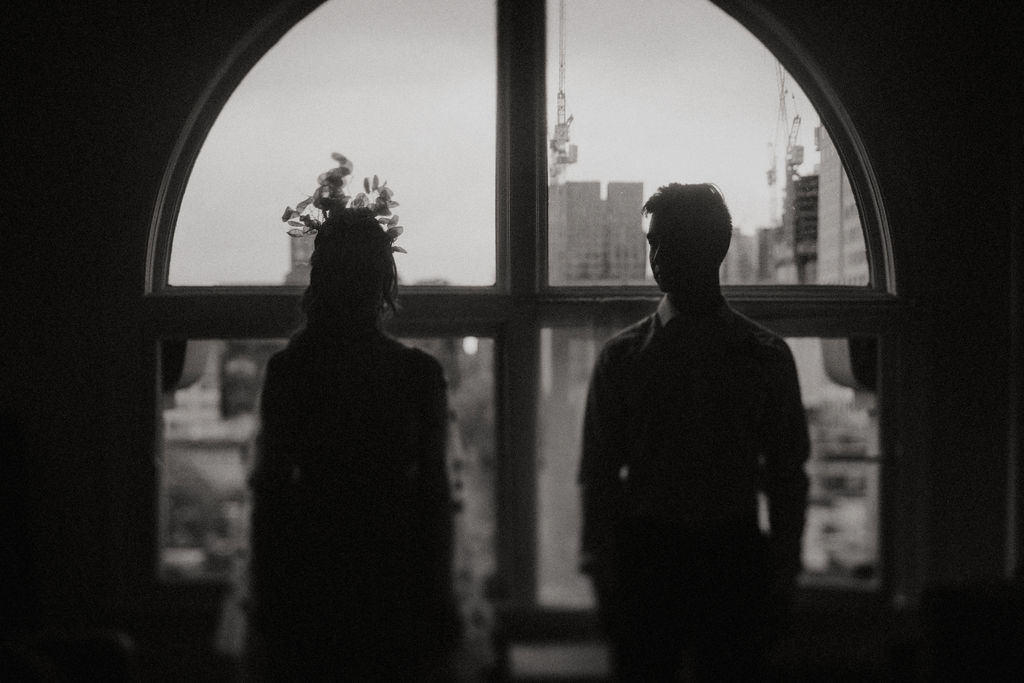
(352, 514)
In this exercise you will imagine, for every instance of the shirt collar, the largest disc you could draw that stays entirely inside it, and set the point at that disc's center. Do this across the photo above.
(666, 311)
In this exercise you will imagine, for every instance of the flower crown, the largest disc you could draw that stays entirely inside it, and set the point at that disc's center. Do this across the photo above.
(332, 204)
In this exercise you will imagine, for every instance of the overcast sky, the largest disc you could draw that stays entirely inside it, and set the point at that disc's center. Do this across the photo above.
(660, 91)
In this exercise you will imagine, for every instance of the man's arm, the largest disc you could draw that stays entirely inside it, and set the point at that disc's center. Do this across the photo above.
(600, 488)
(786, 449)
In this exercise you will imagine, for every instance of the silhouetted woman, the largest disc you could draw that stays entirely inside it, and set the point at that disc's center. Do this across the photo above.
(352, 527)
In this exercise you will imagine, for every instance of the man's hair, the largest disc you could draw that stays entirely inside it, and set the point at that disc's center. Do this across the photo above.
(700, 207)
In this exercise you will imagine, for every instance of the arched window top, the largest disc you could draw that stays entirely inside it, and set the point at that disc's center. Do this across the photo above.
(406, 90)
(680, 91)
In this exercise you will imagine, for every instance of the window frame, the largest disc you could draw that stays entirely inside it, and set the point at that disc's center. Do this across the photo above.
(513, 310)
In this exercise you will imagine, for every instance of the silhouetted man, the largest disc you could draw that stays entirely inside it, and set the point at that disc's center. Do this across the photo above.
(692, 411)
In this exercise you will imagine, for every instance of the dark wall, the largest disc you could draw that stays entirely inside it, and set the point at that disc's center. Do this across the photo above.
(96, 96)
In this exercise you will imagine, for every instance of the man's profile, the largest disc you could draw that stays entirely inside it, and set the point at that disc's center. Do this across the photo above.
(691, 412)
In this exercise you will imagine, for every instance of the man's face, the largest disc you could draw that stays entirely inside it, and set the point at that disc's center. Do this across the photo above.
(677, 259)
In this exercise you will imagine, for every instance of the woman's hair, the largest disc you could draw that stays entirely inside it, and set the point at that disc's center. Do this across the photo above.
(353, 278)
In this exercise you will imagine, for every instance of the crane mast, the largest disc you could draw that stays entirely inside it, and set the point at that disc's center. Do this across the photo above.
(562, 153)
(794, 152)
(794, 156)
(561, 62)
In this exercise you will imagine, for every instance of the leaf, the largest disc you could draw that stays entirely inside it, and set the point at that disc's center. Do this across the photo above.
(366, 185)
(343, 162)
(295, 232)
(297, 224)
(288, 213)
(303, 204)
(392, 204)
(395, 231)
(399, 249)
(383, 220)
(333, 178)
(376, 181)
(393, 221)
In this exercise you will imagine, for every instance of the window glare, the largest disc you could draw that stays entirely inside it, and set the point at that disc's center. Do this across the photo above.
(686, 94)
(404, 89)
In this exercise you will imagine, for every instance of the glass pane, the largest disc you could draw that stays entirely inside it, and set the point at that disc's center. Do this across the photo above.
(838, 380)
(567, 356)
(406, 90)
(210, 424)
(209, 431)
(837, 387)
(687, 95)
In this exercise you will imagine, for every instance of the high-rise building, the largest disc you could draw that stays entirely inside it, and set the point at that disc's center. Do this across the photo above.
(842, 258)
(742, 261)
(783, 254)
(301, 250)
(594, 240)
(766, 237)
(805, 228)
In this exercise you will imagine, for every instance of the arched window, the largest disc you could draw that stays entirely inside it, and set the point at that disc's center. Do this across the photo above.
(521, 141)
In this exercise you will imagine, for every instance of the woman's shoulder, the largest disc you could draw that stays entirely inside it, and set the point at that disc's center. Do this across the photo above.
(304, 363)
(287, 363)
(414, 360)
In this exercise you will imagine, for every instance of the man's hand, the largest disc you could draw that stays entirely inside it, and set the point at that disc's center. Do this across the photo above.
(600, 568)
(780, 603)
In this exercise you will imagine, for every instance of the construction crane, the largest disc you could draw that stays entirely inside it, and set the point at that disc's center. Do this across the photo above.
(794, 152)
(562, 153)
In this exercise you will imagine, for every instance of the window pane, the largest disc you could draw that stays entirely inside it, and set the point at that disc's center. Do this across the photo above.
(687, 95)
(210, 425)
(567, 356)
(406, 90)
(209, 431)
(838, 380)
(837, 386)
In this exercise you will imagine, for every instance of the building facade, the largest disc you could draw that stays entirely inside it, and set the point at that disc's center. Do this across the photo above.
(842, 258)
(593, 240)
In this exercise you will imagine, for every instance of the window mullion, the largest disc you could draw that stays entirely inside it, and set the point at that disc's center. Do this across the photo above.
(517, 477)
(522, 177)
(523, 161)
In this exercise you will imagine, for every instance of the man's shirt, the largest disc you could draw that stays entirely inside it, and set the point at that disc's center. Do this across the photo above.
(689, 415)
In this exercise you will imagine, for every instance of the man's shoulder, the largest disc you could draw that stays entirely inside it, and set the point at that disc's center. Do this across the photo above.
(764, 342)
(630, 339)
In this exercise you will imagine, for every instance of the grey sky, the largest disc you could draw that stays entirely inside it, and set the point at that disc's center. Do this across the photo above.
(661, 91)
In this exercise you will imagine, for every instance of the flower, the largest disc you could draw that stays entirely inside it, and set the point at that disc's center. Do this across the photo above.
(312, 214)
